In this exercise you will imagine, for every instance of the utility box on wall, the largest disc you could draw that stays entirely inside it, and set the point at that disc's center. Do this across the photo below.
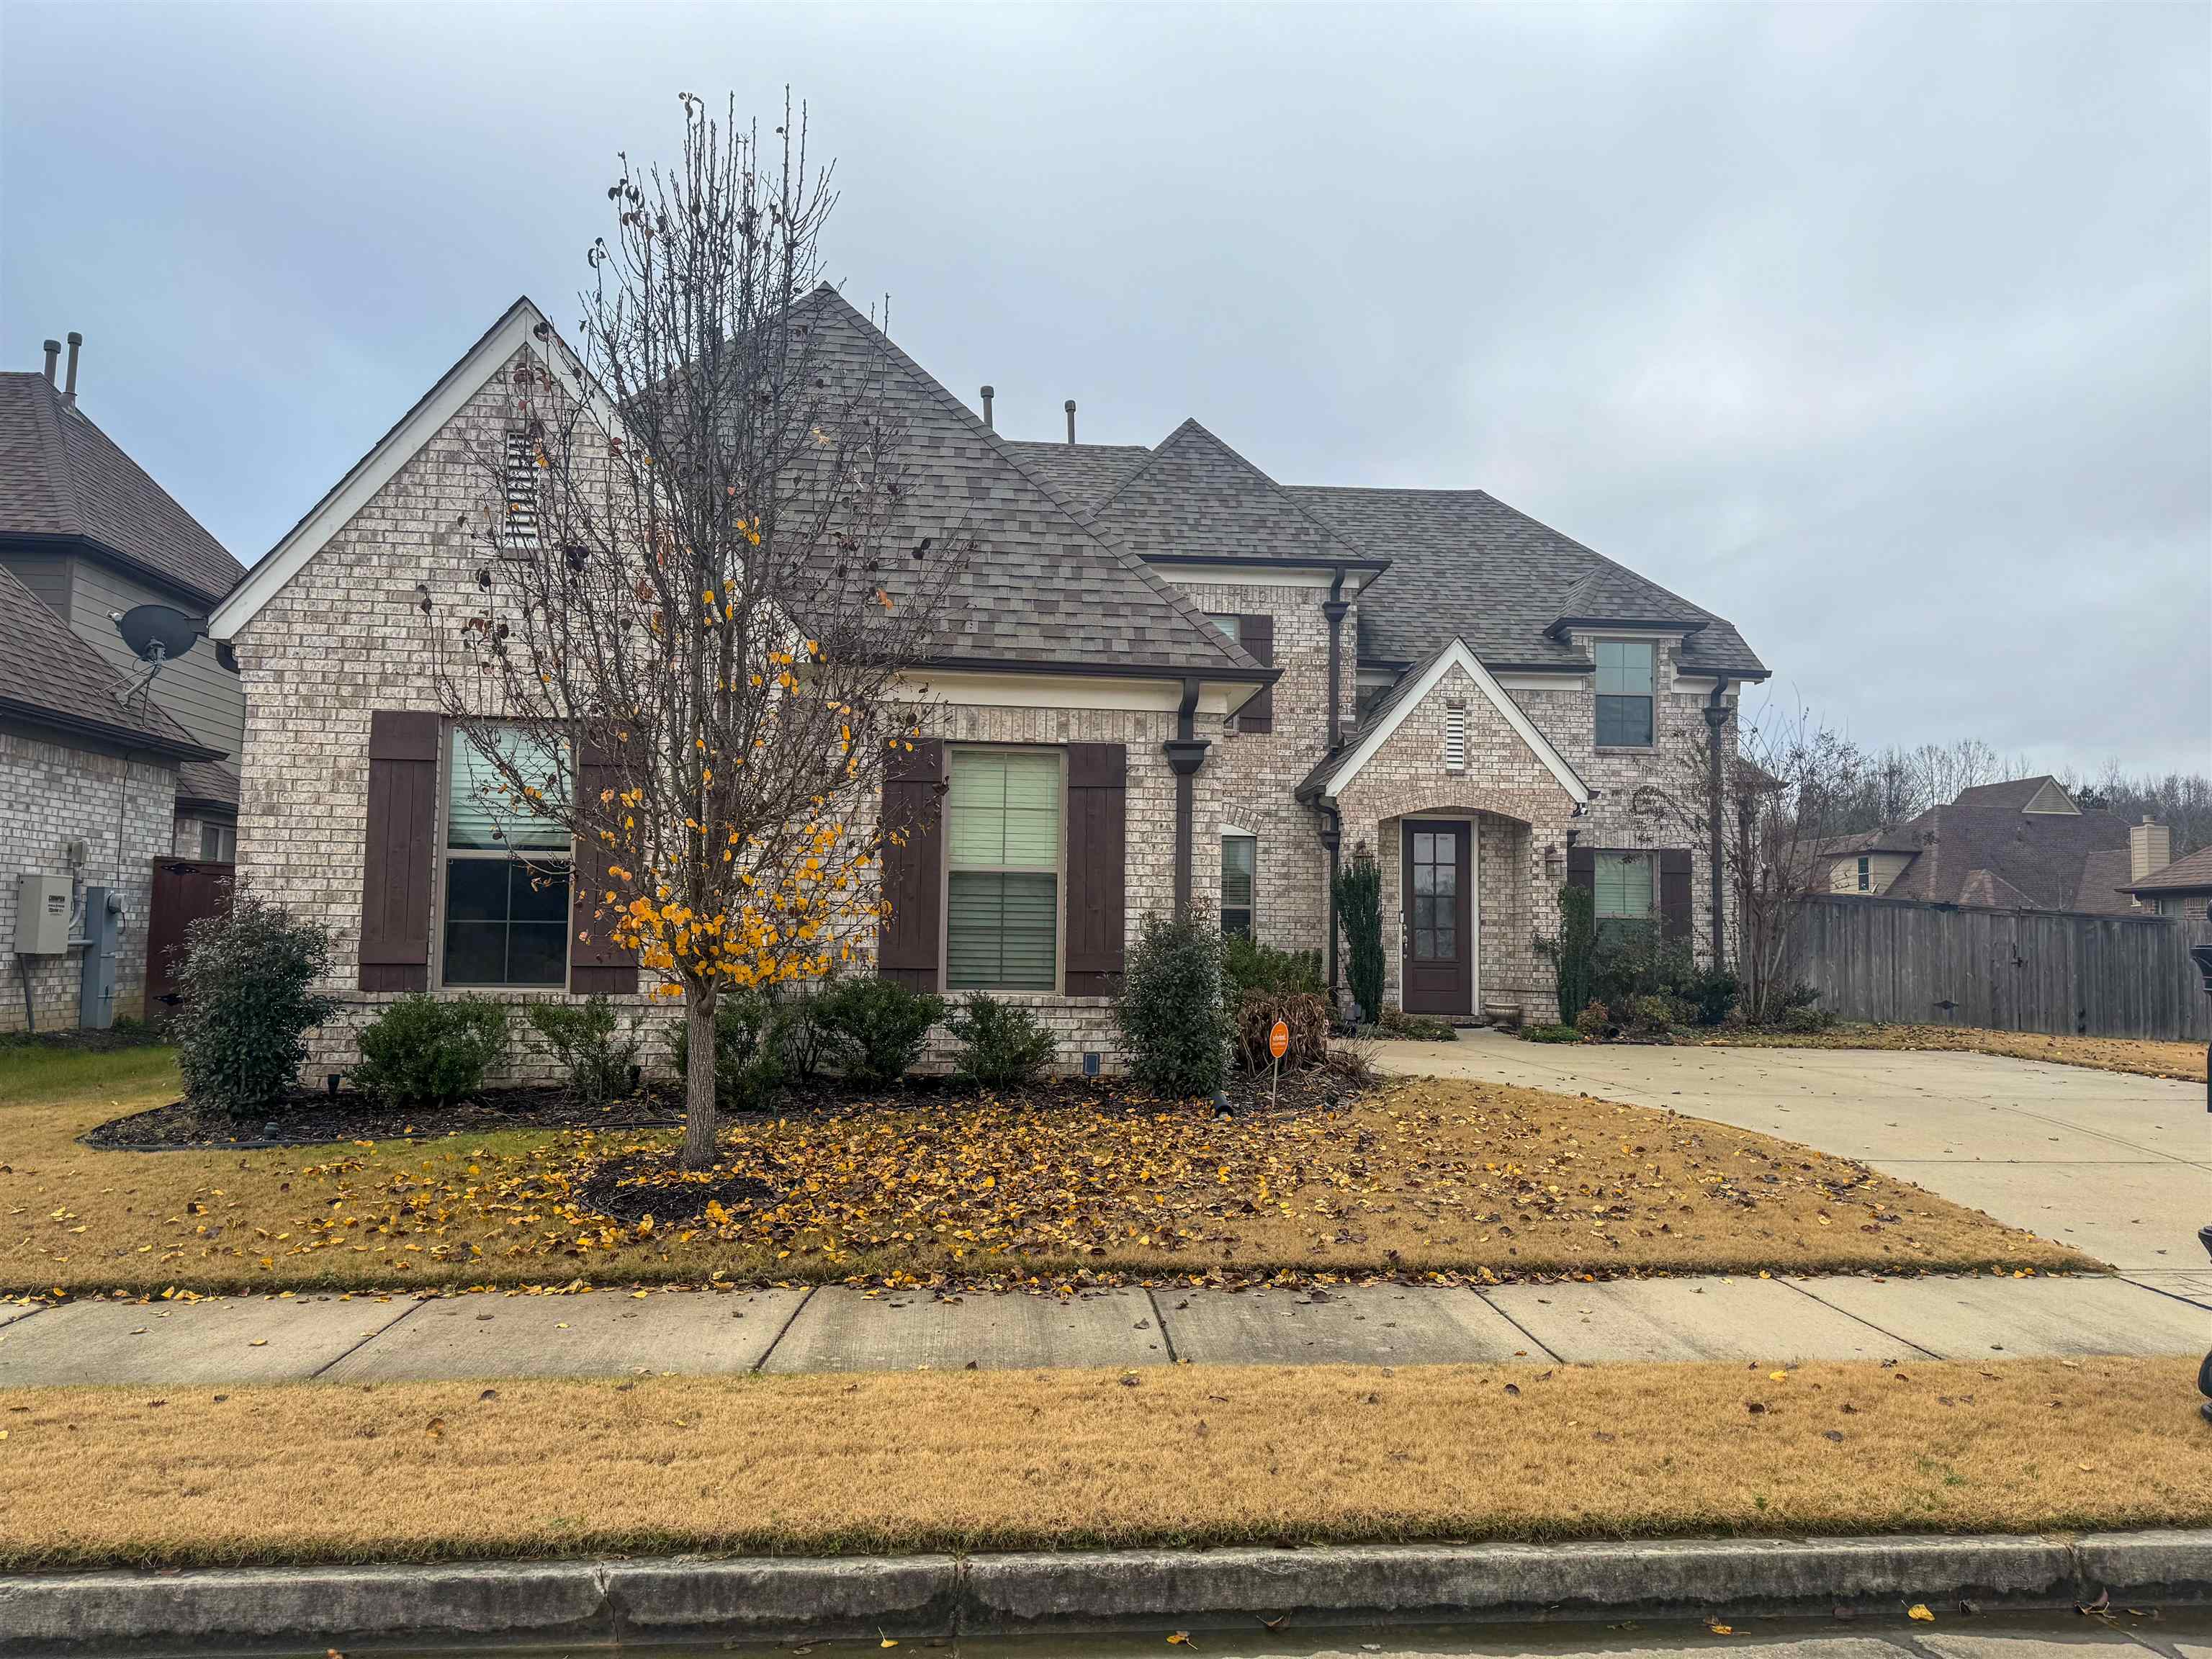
(42, 915)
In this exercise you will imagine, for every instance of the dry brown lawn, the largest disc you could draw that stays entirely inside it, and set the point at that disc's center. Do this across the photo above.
(976, 1461)
(1432, 1177)
(2184, 1060)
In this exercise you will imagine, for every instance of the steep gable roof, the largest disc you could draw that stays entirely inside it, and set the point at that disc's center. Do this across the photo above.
(54, 679)
(1041, 589)
(1195, 497)
(1081, 475)
(2040, 794)
(1463, 564)
(61, 476)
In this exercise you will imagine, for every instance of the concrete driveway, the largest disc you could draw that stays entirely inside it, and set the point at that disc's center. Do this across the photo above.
(2117, 1165)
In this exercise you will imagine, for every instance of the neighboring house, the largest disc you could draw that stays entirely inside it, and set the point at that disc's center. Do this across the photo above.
(90, 771)
(2181, 887)
(2024, 844)
(85, 529)
(1171, 650)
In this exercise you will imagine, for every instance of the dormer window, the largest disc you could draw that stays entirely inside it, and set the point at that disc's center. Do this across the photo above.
(1624, 673)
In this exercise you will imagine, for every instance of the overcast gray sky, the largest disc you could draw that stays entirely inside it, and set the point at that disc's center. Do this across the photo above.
(1886, 333)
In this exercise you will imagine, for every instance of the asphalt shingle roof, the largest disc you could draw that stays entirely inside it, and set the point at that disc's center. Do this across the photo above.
(1040, 587)
(209, 781)
(1196, 497)
(2043, 856)
(1463, 563)
(60, 475)
(2192, 874)
(54, 678)
(1082, 475)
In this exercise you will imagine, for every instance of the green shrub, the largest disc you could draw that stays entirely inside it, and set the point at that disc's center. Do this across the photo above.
(1248, 965)
(1657, 1013)
(248, 1003)
(423, 1050)
(1711, 993)
(1420, 1028)
(1000, 1043)
(1305, 1013)
(1595, 1023)
(1171, 1009)
(598, 1047)
(747, 1060)
(1359, 912)
(876, 1029)
(1551, 1034)
(802, 1042)
(1637, 959)
(1572, 953)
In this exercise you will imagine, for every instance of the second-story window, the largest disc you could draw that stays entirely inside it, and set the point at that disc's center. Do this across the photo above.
(1624, 694)
(1866, 875)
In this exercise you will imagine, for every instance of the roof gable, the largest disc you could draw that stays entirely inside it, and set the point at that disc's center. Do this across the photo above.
(1195, 497)
(1081, 475)
(61, 476)
(1333, 773)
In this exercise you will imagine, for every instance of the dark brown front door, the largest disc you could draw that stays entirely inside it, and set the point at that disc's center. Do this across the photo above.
(1439, 941)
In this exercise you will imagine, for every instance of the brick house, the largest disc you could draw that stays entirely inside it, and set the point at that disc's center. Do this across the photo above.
(1196, 685)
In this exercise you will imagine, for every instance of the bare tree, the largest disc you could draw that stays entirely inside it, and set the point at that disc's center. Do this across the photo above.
(1789, 786)
(702, 601)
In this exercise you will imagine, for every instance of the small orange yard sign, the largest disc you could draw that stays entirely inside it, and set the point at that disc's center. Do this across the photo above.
(1279, 1040)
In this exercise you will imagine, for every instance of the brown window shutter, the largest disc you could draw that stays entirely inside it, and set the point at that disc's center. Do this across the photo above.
(909, 939)
(1257, 636)
(1675, 892)
(1097, 840)
(401, 856)
(1582, 867)
(596, 966)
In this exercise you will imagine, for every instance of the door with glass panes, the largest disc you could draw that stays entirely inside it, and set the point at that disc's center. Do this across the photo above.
(1438, 946)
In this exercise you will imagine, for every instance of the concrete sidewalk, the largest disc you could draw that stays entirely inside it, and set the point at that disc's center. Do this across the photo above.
(613, 1333)
(2116, 1165)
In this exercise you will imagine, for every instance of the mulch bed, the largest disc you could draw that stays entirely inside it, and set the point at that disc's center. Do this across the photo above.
(308, 1118)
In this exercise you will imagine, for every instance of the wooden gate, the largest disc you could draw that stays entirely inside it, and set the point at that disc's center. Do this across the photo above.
(184, 889)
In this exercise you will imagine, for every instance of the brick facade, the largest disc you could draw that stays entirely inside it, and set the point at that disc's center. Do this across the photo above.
(121, 808)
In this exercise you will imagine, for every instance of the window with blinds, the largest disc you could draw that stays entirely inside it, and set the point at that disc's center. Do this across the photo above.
(519, 532)
(1624, 890)
(1002, 855)
(1455, 739)
(1240, 861)
(1623, 693)
(507, 866)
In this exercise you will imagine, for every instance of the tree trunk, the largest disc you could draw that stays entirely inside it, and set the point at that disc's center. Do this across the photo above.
(698, 1081)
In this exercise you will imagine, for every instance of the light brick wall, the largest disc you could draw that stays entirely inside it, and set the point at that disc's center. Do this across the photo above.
(122, 810)
(1251, 776)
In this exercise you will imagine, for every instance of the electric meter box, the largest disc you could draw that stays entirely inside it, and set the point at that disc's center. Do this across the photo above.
(42, 915)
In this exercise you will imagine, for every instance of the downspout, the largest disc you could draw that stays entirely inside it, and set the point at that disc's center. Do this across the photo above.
(1331, 837)
(1186, 753)
(1716, 715)
(1334, 608)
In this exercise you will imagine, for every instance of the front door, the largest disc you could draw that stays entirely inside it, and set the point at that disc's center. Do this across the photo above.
(1439, 942)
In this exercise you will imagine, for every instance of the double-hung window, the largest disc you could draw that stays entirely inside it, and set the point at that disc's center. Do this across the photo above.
(1866, 875)
(506, 867)
(1240, 865)
(1002, 870)
(1624, 694)
(1623, 888)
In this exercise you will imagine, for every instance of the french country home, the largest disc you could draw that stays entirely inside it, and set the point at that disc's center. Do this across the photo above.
(1169, 681)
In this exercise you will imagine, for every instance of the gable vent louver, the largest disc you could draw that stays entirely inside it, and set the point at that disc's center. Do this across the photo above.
(520, 532)
(1455, 739)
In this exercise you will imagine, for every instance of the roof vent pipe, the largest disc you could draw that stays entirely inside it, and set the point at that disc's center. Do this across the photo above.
(69, 391)
(53, 355)
(987, 395)
(1071, 420)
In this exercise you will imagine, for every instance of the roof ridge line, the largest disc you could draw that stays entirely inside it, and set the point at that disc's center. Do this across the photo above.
(1177, 601)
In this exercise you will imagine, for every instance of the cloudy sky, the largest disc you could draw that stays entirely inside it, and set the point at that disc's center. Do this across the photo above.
(1886, 333)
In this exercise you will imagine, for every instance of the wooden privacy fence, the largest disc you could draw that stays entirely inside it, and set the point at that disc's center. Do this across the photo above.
(184, 889)
(2058, 972)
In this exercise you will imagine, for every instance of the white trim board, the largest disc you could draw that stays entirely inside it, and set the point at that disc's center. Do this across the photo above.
(1456, 654)
(518, 329)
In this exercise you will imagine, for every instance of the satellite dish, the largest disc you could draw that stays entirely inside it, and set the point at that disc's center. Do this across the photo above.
(155, 632)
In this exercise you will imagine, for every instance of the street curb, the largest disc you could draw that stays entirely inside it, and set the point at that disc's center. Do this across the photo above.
(609, 1602)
